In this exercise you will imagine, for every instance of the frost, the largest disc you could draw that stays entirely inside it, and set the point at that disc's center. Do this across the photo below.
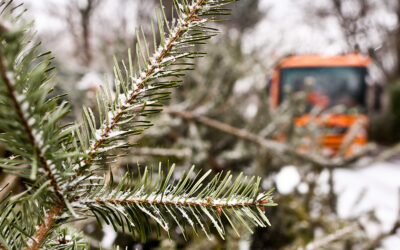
(76, 167)
(215, 223)
(168, 59)
(10, 75)
(185, 215)
(31, 241)
(98, 135)
(77, 180)
(19, 97)
(105, 149)
(53, 167)
(31, 121)
(25, 106)
(160, 221)
(38, 137)
(180, 6)
(90, 81)
(115, 134)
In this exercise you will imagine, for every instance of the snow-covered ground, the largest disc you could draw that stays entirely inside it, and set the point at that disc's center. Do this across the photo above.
(380, 184)
(373, 188)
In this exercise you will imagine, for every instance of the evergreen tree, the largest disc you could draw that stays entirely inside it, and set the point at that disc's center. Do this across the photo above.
(61, 163)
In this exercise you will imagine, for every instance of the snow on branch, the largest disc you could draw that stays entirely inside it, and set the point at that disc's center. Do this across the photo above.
(139, 92)
(238, 201)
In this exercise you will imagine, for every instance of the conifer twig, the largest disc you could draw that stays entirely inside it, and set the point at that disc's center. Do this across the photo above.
(70, 155)
(45, 227)
(110, 127)
(143, 76)
(29, 131)
(161, 198)
(183, 202)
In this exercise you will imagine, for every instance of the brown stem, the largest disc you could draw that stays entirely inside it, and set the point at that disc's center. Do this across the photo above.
(28, 129)
(45, 227)
(208, 203)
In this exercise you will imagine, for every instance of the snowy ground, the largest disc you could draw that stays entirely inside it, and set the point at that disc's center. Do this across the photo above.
(378, 184)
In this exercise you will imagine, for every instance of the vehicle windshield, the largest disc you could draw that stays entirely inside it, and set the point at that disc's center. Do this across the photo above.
(331, 86)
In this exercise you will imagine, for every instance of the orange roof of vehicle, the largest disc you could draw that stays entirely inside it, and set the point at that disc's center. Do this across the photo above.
(350, 60)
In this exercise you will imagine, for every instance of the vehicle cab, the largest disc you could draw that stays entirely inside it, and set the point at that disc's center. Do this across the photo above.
(337, 80)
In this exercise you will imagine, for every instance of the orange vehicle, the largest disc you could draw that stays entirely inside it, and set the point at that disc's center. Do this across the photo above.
(338, 80)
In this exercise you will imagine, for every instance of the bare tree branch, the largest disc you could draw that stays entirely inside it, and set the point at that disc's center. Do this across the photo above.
(275, 147)
(179, 153)
(327, 240)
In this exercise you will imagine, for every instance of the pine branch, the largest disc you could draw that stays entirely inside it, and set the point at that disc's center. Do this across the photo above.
(188, 197)
(19, 216)
(66, 154)
(140, 93)
(141, 82)
(40, 236)
(155, 69)
(34, 140)
(29, 128)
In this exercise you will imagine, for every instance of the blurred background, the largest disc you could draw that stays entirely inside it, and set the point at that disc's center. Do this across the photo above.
(223, 117)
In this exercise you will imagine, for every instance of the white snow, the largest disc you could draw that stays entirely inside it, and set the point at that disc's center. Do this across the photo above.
(287, 179)
(380, 184)
(251, 110)
(91, 80)
(109, 236)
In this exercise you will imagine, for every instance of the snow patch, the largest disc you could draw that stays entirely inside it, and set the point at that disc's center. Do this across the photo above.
(287, 179)
(109, 236)
(91, 80)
